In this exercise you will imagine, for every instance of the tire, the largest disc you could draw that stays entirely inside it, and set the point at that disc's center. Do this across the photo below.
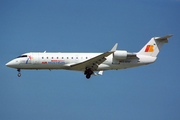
(88, 76)
(19, 74)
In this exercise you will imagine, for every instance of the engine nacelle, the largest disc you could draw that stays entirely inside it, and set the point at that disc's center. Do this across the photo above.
(120, 54)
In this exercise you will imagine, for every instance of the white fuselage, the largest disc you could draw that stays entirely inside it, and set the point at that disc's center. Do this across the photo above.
(90, 62)
(64, 60)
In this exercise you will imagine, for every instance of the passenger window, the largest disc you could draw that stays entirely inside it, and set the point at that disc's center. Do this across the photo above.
(57, 57)
(47, 57)
(86, 57)
(52, 57)
(42, 57)
(67, 58)
(76, 57)
(72, 57)
(62, 57)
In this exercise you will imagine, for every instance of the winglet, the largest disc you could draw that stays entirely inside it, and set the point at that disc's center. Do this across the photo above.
(114, 48)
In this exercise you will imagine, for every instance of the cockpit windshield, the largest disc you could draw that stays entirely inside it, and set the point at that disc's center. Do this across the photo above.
(22, 56)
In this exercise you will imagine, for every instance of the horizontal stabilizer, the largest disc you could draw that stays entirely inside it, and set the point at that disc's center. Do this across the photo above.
(163, 38)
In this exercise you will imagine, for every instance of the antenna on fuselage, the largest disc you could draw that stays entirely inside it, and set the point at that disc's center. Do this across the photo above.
(44, 51)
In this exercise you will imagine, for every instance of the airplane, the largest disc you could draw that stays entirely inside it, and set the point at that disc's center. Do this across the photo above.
(90, 63)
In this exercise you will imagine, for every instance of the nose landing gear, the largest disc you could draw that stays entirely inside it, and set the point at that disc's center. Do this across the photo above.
(19, 74)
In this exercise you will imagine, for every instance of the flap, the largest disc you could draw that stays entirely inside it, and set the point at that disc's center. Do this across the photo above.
(93, 62)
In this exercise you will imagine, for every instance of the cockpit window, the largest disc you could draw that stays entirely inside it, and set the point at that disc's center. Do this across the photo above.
(22, 56)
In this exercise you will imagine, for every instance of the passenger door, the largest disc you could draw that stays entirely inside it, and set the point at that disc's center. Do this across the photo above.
(35, 58)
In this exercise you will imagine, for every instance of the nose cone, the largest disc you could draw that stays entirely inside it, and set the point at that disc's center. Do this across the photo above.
(12, 64)
(8, 64)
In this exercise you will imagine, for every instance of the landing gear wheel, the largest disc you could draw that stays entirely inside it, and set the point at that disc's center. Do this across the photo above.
(19, 74)
(19, 70)
(88, 76)
(88, 72)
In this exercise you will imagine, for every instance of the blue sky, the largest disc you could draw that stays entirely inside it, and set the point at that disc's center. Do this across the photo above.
(147, 92)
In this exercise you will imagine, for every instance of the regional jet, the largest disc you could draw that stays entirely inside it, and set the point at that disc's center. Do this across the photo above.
(90, 63)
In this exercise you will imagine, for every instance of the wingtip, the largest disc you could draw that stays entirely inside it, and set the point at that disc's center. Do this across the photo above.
(114, 48)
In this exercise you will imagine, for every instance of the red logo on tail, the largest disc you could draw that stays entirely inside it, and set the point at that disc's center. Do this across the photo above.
(149, 48)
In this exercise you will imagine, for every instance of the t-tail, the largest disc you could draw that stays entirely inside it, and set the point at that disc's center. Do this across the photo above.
(153, 47)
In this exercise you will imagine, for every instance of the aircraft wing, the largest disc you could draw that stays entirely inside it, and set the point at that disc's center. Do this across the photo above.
(93, 62)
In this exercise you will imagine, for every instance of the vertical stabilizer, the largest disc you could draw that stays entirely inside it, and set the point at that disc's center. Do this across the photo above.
(153, 47)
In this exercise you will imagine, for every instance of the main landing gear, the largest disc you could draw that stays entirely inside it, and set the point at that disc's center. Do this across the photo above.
(88, 72)
(19, 74)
